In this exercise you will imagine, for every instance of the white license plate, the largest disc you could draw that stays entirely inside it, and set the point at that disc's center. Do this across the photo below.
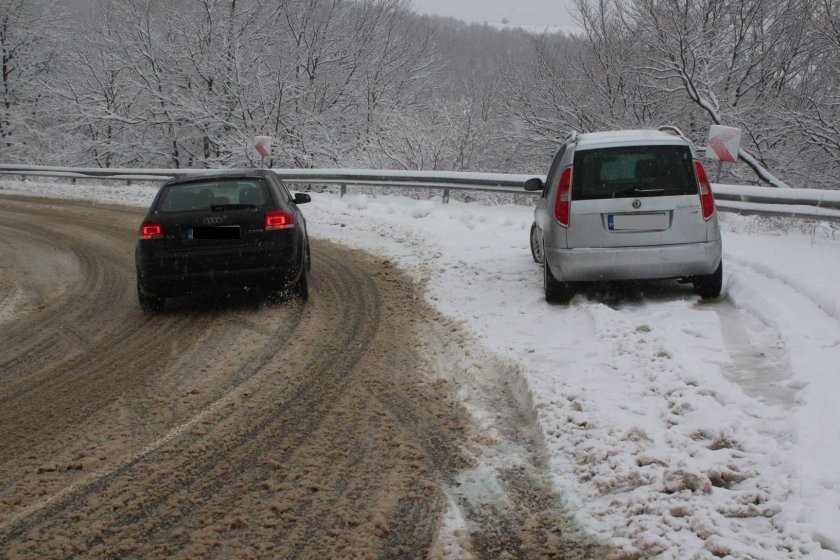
(638, 222)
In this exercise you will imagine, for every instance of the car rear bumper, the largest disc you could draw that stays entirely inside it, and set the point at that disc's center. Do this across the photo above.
(180, 274)
(634, 263)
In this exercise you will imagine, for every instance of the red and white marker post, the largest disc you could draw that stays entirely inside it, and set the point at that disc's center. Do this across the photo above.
(723, 145)
(262, 144)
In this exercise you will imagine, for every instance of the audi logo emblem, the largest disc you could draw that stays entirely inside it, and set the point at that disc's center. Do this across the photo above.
(213, 221)
(637, 203)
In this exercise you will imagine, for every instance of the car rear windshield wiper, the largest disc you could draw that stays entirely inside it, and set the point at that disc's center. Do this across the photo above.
(218, 207)
(619, 194)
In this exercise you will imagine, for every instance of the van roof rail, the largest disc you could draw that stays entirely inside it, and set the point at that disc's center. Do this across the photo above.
(671, 130)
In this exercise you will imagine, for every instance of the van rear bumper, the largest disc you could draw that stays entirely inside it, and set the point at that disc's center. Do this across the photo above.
(634, 263)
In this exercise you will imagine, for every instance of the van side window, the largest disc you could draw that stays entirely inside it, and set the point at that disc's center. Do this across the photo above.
(552, 177)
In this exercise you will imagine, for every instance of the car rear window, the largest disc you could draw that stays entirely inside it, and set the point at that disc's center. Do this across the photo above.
(637, 171)
(204, 195)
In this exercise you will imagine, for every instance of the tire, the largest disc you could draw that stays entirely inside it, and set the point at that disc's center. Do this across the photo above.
(710, 285)
(536, 248)
(301, 287)
(151, 304)
(555, 291)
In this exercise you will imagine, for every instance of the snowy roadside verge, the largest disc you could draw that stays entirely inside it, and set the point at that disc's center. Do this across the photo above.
(649, 439)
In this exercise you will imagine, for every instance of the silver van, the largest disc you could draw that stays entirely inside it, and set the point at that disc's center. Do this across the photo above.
(626, 205)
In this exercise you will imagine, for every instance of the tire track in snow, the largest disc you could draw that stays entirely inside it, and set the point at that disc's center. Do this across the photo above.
(191, 412)
(828, 306)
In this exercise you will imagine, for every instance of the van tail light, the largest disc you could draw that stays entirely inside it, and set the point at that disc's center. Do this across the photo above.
(279, 219)
(151, 229)
(563, 203)
(707, 199)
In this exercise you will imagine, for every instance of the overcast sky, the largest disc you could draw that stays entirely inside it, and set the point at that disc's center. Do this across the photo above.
(522, 12)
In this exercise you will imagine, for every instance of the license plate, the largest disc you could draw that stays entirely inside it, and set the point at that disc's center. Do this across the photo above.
(214, 233)
(638, 222)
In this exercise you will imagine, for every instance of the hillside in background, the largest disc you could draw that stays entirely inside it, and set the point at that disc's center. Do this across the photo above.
(189, 83)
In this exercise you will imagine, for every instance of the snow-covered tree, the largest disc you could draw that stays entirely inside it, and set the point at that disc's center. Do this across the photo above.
(26, 27)
(189, 83)
(745, 63)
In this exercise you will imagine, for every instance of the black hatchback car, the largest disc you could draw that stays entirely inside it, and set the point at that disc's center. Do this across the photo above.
(222, 231)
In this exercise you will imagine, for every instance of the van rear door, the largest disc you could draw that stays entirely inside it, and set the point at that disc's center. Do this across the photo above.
(635, 196)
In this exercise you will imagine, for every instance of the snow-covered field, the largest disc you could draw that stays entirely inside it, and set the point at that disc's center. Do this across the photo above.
(676, 429)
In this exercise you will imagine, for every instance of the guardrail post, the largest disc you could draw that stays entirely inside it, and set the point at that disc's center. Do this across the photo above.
(73, 181)
(343, 190)
(128, 182)
(23, 178)
(446, 196)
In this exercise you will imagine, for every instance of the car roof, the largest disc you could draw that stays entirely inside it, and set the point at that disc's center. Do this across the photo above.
(220, 174)
(618, 138)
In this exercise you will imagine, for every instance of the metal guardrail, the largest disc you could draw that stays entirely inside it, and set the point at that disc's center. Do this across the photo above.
(765, 201)
(445, 181)
(781, 211)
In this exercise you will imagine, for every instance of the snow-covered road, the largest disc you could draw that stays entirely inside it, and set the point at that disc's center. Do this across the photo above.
(675, 428)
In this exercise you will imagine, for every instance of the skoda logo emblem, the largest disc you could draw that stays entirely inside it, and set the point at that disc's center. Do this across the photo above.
(215, 220)
(637, 203)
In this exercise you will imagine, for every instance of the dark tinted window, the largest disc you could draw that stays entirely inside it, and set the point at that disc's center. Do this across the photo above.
(281, 186)
(203, 195)
(633, 172)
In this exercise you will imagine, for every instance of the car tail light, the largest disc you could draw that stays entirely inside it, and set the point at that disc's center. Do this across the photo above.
(707, 199)
(563, 203)
(279, 219)
(151, 229)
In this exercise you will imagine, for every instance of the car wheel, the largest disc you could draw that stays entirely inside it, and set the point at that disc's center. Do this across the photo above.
(301, 287)
(710, 285)
(555, 291)
(536, 249)
(150, 303)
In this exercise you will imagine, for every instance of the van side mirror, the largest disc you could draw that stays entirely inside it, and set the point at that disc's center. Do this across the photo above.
(301, 198)
(534, 184)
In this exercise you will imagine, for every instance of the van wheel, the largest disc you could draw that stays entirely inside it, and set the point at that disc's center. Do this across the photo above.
(555, 291)
(710, 285)
(536, 249)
